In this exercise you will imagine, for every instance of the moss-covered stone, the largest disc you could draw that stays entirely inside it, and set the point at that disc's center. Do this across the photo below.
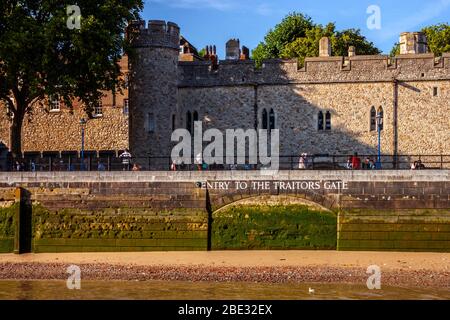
(273, 227)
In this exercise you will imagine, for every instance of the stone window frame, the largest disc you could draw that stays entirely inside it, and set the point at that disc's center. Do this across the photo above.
(268, 119)
(435, 91)
(372, 119)
(320, 121)
(328, 123)
(126, 106)
(54, 104)
(98, 110)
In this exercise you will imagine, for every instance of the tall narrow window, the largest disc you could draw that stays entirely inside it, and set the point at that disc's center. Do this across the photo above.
(380, 118)
(173, 122)
(328, 120)
(271, 119)
(435, 91)
(125, 106)
(195, 116)
(189, 121)
(151, 122)
(264, 119)
(98, 110)
(55, 104)
(373, 119)
(320, 120)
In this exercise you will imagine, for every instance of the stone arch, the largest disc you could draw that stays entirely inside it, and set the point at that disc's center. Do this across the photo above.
(328, 202)
(275, 200)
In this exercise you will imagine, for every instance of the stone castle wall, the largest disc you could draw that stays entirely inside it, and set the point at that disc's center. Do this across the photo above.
(346, 87)
(234, 94)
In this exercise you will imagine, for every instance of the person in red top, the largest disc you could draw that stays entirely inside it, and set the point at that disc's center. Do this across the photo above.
(356, 162)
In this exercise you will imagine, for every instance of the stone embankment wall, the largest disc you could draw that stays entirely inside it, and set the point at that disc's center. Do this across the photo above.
(130, 211)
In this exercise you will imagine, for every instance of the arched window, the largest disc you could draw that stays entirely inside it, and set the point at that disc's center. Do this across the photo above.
(264, 119)
(320, 120)
(189, 121)
(328, 120)
(380, 117)
(373, 119)
(271, 120)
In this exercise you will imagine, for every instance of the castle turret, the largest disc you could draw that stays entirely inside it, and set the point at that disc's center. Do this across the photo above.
(153, 90)
(413, 43)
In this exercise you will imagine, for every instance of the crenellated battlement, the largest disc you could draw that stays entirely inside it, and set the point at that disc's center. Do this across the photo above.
(157, 33)
(406, 67)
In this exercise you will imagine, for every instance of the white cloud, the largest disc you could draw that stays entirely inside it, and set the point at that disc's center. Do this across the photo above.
(221, 5)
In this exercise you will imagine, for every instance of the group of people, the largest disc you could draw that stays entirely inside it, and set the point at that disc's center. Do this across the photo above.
(417, 165)
(354, 163)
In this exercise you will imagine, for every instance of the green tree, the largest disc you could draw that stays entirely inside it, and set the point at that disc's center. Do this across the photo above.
(293, 26)
(297, 36)
(202, 53)
(395, 50)
(438, 37)
(42, 55)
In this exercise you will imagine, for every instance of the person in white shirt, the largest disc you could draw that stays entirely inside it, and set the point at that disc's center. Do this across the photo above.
(126, 160)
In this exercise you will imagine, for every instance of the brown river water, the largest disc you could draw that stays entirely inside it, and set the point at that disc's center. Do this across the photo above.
(181, 290)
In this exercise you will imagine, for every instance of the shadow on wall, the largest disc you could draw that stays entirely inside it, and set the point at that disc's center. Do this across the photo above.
(320, 119)
(4, 165)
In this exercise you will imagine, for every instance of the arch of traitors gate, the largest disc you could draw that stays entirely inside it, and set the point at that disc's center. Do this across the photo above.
(145, 211)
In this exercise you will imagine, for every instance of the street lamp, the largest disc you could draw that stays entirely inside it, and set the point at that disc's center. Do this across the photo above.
(379, 127)
(83, 127)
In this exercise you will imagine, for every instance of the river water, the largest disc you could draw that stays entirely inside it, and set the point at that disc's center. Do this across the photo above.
(181, 290)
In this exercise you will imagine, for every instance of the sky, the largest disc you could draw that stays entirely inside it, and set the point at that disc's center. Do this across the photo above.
(214, 22)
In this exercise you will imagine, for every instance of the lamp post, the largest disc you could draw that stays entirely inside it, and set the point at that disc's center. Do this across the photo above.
(83, 127)
(379, 126)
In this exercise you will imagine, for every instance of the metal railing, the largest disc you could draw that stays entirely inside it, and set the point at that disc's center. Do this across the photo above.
(164, 163)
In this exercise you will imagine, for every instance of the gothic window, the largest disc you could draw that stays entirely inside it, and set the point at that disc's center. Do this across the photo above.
(380, 115)
(320, 120)
(189, 121)
(373, 119)
(264, 119)
(328, 120)
(271, 120)
(151, 122)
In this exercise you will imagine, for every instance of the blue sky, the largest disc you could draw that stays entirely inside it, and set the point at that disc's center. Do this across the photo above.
(213, 22)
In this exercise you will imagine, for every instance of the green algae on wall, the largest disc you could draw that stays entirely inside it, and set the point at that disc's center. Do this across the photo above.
(7, 228)
(394, 230)
(273, 227)
(124, 229)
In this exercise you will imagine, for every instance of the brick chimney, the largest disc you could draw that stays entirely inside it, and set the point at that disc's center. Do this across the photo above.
(324, 47)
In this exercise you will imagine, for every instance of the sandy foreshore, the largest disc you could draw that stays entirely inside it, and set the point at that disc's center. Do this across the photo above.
(398, 268)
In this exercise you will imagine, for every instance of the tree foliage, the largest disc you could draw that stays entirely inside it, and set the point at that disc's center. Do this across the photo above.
(40, 56)
(438, 37)
(297, 36)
